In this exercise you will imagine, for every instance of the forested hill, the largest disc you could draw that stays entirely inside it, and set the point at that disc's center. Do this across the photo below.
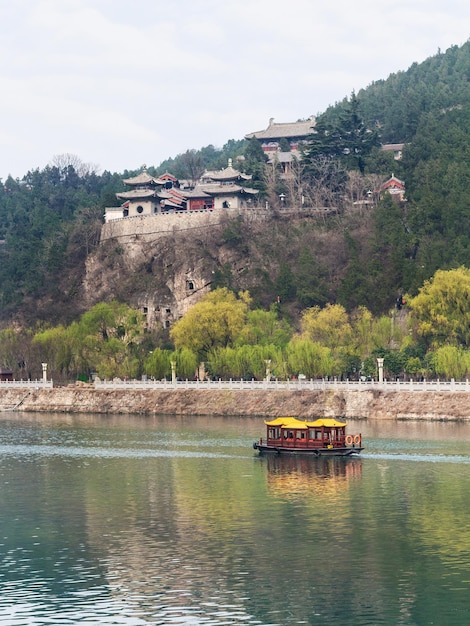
(396, 105)
(50, 219)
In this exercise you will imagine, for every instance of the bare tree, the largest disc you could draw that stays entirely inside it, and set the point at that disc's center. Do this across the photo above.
(271, 180)
(194, 165)
(324, 182)
(294, 184)
(63, 161)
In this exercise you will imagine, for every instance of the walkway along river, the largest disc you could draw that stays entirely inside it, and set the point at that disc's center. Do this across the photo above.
(403, 401)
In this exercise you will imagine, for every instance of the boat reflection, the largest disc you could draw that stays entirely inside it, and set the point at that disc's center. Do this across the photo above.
(291, 476)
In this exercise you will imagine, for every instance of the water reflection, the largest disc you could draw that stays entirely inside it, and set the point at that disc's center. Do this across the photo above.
(175, 521)
(295, 476)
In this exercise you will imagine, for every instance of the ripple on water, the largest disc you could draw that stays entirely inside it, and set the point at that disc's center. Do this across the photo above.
(139, 528)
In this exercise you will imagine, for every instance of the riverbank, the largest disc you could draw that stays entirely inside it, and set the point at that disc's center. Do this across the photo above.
(365, 404)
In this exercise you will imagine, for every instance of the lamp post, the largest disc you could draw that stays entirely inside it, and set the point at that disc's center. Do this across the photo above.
(267, 362)
(44, 372)
(380, 363)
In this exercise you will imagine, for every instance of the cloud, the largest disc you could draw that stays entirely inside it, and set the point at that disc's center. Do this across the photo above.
(127, 83)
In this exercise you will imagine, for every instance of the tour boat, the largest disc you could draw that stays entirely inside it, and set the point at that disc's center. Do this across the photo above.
(322, 437)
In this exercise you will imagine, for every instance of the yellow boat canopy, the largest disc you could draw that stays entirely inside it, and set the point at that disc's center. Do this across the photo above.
(327, 422)
(293, 422)
(287, 422)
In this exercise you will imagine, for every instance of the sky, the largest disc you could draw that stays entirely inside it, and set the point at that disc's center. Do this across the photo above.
(123, 83)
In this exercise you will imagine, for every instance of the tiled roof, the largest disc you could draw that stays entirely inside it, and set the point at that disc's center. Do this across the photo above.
(392, 146)
(229, 173)
(394, 180)
(143, 179)
(290, 129)
(197, 192)
(167, 176)
(134, 194)
(285, 157)
(174, 204)
(215, 189)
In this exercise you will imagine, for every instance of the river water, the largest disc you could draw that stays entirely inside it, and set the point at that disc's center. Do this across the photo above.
(158, 520)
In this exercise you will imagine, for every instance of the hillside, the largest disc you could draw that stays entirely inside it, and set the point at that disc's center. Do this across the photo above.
(299, 260)
(53, 267)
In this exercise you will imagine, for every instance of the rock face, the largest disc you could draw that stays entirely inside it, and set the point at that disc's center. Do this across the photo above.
(157, 273)
(381, 405)
(163, 264)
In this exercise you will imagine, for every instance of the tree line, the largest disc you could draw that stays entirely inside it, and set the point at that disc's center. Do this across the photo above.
(50, 220)
(426, 336)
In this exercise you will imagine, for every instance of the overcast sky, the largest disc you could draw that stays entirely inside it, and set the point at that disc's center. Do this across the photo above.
(122, 83)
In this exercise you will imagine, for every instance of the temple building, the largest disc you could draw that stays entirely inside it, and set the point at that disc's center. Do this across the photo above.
(395, 148)
(226, 188)
(296, 133)
(395, 187)
(146, 195)
(149, 195)
(273, 141)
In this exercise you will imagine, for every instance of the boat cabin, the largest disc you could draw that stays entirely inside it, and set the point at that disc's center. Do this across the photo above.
(321, 436)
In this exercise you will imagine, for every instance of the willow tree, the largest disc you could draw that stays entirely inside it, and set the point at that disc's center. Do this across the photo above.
(214, 322)
(441, 310)
(310, 359)
(328, 326)
(451, 362)
(106, 340)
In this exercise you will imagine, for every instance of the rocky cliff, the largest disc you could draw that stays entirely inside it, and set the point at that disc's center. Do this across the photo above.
(163, 264)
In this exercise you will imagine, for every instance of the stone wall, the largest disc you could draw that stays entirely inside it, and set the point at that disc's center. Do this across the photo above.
(161, 224)
(371, 404)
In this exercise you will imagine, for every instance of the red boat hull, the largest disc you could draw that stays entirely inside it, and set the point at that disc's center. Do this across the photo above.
(345, 451)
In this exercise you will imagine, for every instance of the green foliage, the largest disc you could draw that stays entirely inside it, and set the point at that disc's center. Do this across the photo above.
(244, 361)
(158, 364)
(438, 183)
(284, 145)
(311, 280)
(222, 277)
(285, 283)
(106, 341)
(328, 326)
(441, 310)
(186, 363)
(215, 321)
(265, 328)
(237, 342)
(383, 162)
(310, 358)
(343, 136)
(387, 263)
(450, 362)
(233, 233)
(255, 161)
(358, 257)
(397, 103)
(38, 215)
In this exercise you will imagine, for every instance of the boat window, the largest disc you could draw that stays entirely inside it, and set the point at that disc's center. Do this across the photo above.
(300, 434)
